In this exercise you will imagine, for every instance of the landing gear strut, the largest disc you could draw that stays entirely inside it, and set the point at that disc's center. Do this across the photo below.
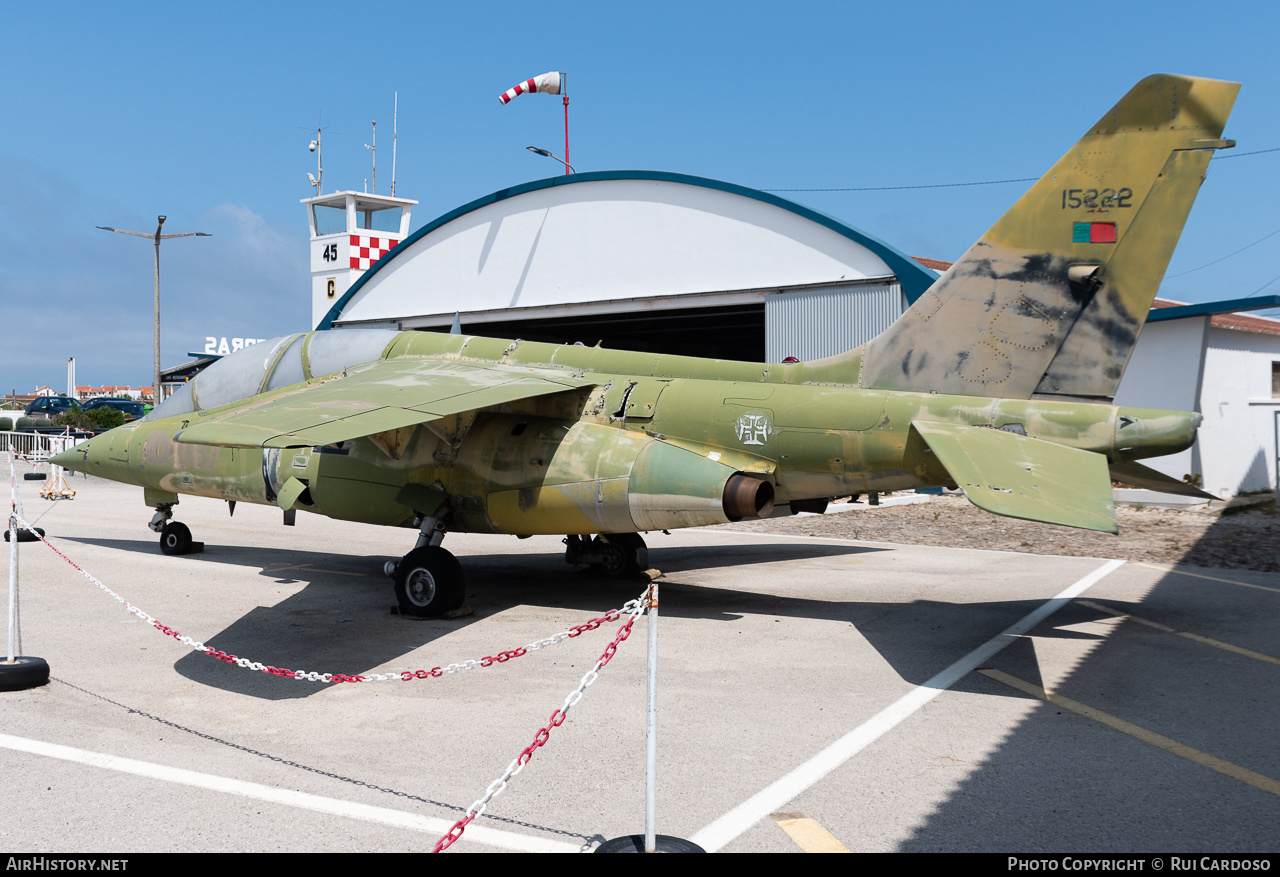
(618, 555)
(428, 580)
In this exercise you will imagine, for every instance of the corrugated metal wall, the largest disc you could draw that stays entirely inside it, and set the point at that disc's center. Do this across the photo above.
(813, 323)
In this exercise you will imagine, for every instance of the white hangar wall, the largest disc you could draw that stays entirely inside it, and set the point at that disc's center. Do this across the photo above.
(630, 247)
(1239, 437)
(1221, 366)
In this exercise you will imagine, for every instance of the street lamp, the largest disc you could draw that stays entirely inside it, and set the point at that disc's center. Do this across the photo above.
(157, 237)
(549, 154)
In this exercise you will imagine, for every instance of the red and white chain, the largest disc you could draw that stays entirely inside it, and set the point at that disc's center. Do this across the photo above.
(631, 606)
(637, 608)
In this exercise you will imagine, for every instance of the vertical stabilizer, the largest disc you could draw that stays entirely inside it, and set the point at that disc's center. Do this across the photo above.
(1050, 301)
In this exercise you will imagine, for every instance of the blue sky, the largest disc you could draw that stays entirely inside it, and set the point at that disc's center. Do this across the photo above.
(114, 113)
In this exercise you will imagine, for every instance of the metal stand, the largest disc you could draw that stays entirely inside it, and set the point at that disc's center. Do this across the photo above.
(17, 672)
(650, 842)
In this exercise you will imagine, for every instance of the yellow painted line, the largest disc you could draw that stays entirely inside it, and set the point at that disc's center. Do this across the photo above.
(1194, 637)
(1196, 575)
(1204, 759)
(808, 834)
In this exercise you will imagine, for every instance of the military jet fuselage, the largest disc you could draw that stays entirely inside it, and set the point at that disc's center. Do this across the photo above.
(998, 381)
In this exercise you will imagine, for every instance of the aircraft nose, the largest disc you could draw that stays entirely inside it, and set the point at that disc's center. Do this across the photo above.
(85, 456)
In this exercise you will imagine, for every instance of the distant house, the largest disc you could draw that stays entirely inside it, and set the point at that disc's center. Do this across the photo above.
(1226, 366)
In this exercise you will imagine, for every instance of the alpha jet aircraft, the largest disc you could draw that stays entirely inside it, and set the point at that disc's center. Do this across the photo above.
(997, 380)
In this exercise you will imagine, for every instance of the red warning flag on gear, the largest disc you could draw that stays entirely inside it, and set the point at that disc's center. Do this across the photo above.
(547, 83)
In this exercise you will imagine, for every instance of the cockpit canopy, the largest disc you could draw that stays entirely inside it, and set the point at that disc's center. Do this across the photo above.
(273, 364)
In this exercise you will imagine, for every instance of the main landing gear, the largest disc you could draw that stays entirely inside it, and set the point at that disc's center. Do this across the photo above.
(175, 537)
(619, 555)
(428, 580)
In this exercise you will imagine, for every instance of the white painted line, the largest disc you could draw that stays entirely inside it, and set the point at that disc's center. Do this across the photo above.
(318, 803)
(774, 797)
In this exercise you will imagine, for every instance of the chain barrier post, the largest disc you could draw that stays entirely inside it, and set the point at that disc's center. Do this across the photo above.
(650, 841)
(36, 672)
(17, 672)
(13, 559)
(651, 731)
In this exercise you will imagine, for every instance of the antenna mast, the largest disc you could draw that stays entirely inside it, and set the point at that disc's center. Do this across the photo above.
(394, 112)
(374, 151)
(315, 147)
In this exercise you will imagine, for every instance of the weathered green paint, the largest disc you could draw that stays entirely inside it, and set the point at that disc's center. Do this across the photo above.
(991, 382)
(1028, 327)
(1021, 477)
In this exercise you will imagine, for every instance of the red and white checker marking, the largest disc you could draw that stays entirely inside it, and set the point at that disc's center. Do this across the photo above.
(366, 250)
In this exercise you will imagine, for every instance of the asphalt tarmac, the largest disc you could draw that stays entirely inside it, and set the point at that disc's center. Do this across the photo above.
(813, 694)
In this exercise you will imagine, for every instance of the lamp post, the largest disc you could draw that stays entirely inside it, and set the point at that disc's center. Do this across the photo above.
(157, 237)
(568, 167)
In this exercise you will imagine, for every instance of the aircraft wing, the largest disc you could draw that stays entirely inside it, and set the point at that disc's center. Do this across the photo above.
(385, 395)
(1026, 478)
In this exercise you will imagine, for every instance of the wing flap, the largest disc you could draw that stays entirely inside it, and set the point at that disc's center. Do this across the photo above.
(1026, 478)
(380, 397)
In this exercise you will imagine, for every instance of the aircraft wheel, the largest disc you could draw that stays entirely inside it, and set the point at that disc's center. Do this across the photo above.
(623, 554)
(175, 538)
(429, 582)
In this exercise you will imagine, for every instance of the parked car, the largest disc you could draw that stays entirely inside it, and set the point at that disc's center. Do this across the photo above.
(129, 408)
(49, 407)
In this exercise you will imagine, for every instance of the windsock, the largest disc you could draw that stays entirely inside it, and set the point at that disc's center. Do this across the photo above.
(547, 83)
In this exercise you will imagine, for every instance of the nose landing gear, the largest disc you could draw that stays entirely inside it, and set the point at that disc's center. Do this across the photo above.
(175, 537)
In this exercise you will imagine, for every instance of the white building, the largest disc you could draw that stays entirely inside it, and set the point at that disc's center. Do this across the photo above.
(1226, 366)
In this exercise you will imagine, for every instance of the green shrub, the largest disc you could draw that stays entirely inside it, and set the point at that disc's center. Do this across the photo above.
(99, 418)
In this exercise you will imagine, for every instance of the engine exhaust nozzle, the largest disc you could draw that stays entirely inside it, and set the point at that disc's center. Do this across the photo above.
(747, 497)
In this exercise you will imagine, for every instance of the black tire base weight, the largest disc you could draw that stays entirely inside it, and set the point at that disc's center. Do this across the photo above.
(662, 843)
(25, 672)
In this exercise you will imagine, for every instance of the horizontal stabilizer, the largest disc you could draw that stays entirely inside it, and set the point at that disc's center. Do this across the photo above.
(1146, 478)
(384, 396)
(1020, 477)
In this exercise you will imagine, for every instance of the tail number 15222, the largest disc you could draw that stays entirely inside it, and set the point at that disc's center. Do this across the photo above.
(1096, 198)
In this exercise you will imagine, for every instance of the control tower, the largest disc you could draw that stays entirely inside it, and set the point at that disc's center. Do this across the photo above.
(350, 231)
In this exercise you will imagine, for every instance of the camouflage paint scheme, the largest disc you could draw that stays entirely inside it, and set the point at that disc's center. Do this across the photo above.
(997, 380)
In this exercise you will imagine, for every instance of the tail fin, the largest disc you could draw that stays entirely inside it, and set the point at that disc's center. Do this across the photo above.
(1050, 301)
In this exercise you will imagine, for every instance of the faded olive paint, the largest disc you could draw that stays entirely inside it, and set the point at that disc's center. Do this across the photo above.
(996, 380)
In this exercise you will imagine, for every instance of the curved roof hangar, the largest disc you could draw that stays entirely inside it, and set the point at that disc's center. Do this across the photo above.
(614, 240)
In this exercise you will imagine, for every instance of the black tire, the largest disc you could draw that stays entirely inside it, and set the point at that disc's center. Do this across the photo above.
(662, 843)
(25, 535)
(625, 554)
(429, 582)
(175, 538)
(34, 476)
(25, 672)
